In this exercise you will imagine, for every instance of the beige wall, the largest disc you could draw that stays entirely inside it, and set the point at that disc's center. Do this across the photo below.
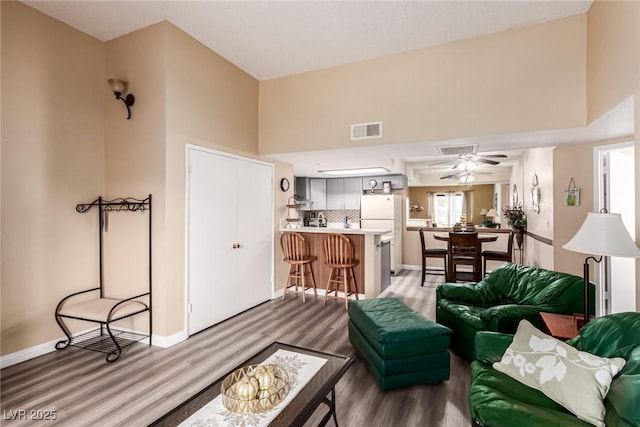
(135, 167)
(514, 81)
(572, 161)
(52, 158)
(613, 55)
(193, 96)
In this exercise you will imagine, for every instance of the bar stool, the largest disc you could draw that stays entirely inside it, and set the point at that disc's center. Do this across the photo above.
(339, 256)
(296, 253)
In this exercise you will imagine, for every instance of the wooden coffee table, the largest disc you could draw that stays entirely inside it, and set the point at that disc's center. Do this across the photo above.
(320, 389)
(561, 326)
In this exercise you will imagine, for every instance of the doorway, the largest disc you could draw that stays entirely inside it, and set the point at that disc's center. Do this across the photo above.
(615, 192)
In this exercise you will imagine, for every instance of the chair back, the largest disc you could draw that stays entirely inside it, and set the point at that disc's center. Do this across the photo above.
(464, 244)
(512, 233)
(338, 249)
(422, 244)
(294, 246)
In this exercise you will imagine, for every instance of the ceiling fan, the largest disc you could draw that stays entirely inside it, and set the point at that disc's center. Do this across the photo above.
(465, 176)
(470, 161)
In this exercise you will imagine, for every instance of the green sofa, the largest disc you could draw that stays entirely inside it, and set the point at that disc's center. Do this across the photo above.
(511, 292)
(497, 400)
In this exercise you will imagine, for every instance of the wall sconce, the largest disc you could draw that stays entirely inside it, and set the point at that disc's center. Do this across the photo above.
(119, 87)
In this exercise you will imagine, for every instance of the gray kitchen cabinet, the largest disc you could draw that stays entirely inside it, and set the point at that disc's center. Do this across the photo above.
(352, 193)
(344, 193)
(318, 194)
(313, 190)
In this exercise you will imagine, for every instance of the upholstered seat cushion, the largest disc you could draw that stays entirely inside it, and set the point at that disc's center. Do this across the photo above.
(395, 330)
(97, 309)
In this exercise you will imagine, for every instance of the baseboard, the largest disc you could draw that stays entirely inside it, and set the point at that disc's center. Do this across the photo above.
(411, 267)
(171, 340)
(49, 346)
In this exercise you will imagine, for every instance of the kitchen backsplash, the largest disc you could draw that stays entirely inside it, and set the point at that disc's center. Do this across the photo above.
(337, 215)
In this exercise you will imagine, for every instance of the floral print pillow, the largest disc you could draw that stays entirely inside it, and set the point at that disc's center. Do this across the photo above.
(575, 379)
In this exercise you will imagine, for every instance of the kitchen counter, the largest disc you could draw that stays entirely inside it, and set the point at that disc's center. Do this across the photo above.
(366, 243)
(341, 230)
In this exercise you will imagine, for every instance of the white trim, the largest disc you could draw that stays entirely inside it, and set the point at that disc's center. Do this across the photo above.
(30, 353)
(169, 341)
(411, 267)
(50, 346)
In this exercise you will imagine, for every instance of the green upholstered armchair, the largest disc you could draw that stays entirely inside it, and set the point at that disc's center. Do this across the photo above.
(511, 292)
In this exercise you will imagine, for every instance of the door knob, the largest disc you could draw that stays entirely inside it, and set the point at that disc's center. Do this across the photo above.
(236, 245)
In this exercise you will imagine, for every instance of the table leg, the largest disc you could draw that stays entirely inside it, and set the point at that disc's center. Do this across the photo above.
(331, 403)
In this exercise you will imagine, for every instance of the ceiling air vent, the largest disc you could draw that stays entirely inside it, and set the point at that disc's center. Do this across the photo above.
(456, 150)
(366, 131)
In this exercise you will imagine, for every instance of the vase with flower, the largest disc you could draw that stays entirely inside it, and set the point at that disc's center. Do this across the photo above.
(415, 208)
(517, 219)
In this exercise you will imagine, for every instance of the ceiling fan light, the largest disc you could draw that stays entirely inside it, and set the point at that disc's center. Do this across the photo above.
(470, 165)
(467, 178)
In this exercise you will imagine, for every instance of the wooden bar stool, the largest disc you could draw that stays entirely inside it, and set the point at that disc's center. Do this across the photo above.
(339, 256)
(296, 253)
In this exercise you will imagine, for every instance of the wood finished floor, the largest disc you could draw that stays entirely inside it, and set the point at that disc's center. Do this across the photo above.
(147, 382)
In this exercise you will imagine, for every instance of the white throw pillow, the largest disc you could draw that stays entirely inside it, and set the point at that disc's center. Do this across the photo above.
(575, 379)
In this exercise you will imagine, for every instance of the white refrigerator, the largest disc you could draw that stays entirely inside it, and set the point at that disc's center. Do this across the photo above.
(384, 211)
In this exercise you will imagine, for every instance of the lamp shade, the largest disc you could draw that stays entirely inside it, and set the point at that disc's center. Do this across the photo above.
(116, 85)
(492, 213)
(483, 212)
(603, 234)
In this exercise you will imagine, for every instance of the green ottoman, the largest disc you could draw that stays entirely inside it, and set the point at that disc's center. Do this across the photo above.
(399, 346)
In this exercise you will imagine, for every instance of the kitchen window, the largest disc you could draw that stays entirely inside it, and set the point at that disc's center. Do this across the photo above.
(447, 208)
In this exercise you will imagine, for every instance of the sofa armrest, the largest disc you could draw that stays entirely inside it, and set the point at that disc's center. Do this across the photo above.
(463, 293)
(505, 318)
(490, 346)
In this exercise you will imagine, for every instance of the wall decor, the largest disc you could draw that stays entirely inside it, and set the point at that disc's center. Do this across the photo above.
(514, 195)
(535, 194)
(572, 194)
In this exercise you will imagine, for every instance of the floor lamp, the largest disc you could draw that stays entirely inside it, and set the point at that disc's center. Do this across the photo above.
(601, 234)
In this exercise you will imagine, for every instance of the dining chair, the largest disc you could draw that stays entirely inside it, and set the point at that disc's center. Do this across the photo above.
(296, 253)
(431, 253)
(339, 256)
(464, 249)
(498, 255)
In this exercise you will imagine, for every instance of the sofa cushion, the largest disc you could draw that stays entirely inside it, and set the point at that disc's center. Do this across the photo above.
(577, 380)
(469, 314)
(534, 286)
(498, 400)
(395, 330)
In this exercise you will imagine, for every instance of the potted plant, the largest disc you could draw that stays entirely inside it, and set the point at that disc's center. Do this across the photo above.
(517, 219)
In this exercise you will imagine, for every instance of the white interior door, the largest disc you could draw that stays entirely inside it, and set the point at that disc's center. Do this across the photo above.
(255, 233)
(211, 265)
(622, 201)
(616, 192)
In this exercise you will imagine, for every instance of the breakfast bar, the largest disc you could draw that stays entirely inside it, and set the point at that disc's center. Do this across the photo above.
(366, 243)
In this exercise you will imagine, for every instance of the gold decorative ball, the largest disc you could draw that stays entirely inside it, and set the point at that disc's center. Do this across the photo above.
(265, 377)
(247, 388)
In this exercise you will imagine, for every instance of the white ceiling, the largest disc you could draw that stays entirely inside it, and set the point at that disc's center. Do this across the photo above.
(270, 39)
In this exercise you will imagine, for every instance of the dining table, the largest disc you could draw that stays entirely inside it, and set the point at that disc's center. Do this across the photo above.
(482, 238)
